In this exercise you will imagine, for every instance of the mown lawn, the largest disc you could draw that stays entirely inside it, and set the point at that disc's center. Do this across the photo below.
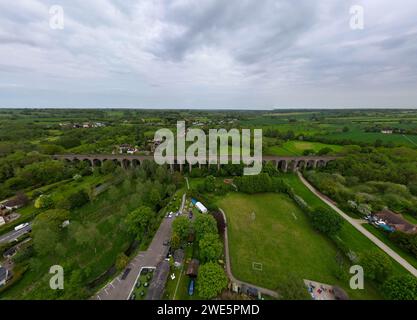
(269, 229)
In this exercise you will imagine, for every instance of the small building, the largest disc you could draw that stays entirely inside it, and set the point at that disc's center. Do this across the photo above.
(201, 207)
(4, 276)
(387, 131)
(160, 277)
(178, 257)
(2, 221)
(192, 270)
(16, 202)
(127, 148)
(396, 221)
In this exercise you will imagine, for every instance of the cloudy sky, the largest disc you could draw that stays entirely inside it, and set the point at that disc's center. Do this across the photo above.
(256, 54)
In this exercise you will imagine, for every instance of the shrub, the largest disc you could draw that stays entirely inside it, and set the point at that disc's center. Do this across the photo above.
(326, 220)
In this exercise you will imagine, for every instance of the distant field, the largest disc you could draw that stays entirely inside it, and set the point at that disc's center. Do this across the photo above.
(358, 135)
(271, 230)
(296, 148)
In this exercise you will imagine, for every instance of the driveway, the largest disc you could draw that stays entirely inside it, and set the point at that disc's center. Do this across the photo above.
(120, 289)
(358, 226)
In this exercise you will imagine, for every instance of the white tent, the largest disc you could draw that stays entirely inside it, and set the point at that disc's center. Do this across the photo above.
(201, 207)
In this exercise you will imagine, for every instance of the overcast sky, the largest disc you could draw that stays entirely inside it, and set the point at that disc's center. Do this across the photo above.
(241, 54)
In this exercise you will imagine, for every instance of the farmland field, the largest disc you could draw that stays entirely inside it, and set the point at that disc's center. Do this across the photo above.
(296, 148)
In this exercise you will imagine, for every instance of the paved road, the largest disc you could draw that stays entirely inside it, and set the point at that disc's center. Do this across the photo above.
(13, 235)
(229, 268)
(120, 289)
(358, 226)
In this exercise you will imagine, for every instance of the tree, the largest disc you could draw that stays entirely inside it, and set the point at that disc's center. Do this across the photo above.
(78, 199)
(400, 288)
(324, 151)
(44, 201)
(326, 220)
(377, 266)
(138, 220)
(204, 224)
(211, 280)
(175, 241)
(108, 167)
(210, 247)
(210, 184)
(121, 261)
(182, 227)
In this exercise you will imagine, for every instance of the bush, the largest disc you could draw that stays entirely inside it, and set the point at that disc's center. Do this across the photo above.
(43, 202)
(400, 288)
(377, 266)
(210, 247)
(78, 199)
(326, 221)
(211, 280)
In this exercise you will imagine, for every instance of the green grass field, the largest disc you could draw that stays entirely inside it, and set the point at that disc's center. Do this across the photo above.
(296, 148)
(358, 135)
(271, 230)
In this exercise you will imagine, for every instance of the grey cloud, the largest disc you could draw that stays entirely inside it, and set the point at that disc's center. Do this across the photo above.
(209, 53)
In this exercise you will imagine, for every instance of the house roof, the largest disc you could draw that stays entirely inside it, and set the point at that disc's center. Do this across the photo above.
(396, 220)
(15, 201)
(157, 286)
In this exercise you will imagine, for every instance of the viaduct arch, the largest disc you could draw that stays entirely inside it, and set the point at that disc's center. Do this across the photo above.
(126, 161)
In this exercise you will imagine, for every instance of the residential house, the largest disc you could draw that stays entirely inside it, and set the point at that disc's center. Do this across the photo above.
(387, 131)
(396, 221)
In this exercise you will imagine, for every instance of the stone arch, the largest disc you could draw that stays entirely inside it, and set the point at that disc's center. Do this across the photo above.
(136, 163)
(126, 163)
(321, 163)
(301, 164)
(88, 161)
(292, 165)
(97, 162)
(282, 165)
(310, 164)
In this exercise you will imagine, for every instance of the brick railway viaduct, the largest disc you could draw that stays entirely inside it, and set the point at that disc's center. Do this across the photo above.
(126, 161)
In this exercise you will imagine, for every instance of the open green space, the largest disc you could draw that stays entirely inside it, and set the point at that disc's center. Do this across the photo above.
(270, 237)
(296, 148)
